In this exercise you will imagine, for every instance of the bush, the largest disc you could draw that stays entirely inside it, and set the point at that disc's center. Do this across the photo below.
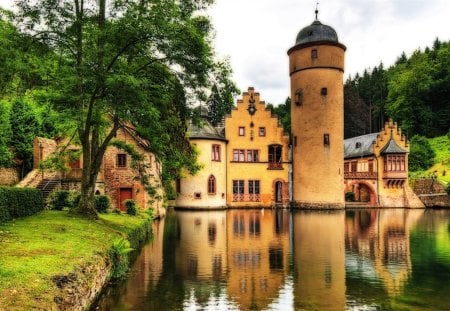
(118, 253)
(58, 199)
(421, 155)
(19, 202)
(130, 205)
(349, 196)
(74, 199)
(102, 203)
(448, 188)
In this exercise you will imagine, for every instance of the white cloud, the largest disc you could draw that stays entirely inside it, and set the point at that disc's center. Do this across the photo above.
(257, 33)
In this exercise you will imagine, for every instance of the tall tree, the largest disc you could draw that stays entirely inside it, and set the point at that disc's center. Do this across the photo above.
(220, 101)
(24, 128)
(113, 55)
(5, 137)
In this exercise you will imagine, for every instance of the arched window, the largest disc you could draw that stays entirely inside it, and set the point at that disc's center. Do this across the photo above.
(212, 184)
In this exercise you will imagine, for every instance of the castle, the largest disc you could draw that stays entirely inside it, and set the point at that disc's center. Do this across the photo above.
(251, 163)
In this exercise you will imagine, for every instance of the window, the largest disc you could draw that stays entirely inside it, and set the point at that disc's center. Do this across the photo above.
(324, 91)
(252, 156)
(212, 184)
(238, 190)
(314, 54)
(178, 185)
(241, 131)
(238, 187)
(353, 166)
(370, 166)
(197, 195)
(262, 131)
(239, 155)
(346, 167)
(215, 153)
(298, 97)
(275, 157)
(326, 139)
(121, 160)
(394, 163)
(75, 164)
(253, 187)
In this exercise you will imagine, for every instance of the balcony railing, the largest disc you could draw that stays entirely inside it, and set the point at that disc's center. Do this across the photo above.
(246, 197)
(360, 175)
(395, 174)
(275, 166)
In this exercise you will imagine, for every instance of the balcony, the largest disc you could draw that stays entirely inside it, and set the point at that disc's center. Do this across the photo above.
(275, 166)
(395, 174)
(360, 175)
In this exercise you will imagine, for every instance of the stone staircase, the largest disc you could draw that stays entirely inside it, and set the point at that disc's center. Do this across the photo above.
(48, 185)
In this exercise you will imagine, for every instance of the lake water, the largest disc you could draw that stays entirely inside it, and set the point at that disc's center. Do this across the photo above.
(390, 259)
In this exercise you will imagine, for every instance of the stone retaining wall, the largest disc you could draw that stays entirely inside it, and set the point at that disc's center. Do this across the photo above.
(8, 176)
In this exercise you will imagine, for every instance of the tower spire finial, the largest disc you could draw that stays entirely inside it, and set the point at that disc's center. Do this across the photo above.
(317, 9)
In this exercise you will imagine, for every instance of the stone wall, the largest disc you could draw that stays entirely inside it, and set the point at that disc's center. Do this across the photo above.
(8, 176)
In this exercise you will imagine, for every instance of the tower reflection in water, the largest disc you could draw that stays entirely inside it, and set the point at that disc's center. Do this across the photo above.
(272, 260)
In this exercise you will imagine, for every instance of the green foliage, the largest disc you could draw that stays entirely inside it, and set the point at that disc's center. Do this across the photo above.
(58, 199)
(221, 101)
(130, 206)
(19, 202)
(102, 203)
(24, 128)
(5, 137)
(421, 154)
(448, 192)
(118, 253)
(350, 196)
(115, 64)
(283, 111)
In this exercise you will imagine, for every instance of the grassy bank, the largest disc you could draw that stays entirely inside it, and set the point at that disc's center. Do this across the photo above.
(37, 249)
(441, 166)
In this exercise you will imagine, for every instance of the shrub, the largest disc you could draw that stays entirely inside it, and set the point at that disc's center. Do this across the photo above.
(74, 199)
(448, 188)
(349, 196)
(58, 199)
(130, 205)
(102, 203)
(118, 253)
(421, 155)
(19, 202)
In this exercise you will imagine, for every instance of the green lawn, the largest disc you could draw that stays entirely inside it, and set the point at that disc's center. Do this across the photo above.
(441, 146)
(36, 248)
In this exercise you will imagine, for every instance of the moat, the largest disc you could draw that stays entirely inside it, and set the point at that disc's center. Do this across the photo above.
(374, 259)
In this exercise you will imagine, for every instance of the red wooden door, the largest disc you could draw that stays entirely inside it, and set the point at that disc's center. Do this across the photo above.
(124, 194)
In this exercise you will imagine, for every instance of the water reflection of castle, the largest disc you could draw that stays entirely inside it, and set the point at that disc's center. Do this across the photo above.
(251, 258)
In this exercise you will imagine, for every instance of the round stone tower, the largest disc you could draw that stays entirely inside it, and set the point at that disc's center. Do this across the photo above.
(316, 68)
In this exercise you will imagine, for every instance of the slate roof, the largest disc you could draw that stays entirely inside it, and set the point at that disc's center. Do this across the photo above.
(316, 32)
(204, 131)
(359, 146)
(392, 147)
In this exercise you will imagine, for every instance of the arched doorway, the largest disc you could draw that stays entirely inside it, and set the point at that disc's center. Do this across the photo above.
(364, 193)
(278, 192)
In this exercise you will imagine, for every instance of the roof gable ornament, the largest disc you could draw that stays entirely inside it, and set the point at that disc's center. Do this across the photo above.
(317, 10)
(251, 105)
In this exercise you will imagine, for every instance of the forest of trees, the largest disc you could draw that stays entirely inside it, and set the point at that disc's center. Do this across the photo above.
(80, 69)
(415, 92)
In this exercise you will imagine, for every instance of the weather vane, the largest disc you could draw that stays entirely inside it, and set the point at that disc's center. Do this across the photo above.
(317, 8)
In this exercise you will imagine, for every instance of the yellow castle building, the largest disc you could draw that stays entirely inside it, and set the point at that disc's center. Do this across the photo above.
(251, 163)
(244, 164)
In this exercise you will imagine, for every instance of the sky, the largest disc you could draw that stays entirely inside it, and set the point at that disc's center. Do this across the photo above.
(256, 34)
